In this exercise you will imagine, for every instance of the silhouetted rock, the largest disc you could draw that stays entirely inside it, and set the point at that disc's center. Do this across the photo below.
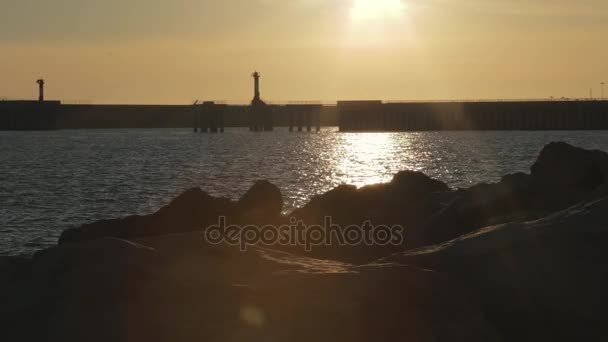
(83, 289)
(413, 183)
(404, 198)
(409, 200)
(566, 174)
(479, 206)
(15, 281)
(562, 176)
(540, 280)
(111, 290)
(69, 290)
(262, 201)
(343, 204)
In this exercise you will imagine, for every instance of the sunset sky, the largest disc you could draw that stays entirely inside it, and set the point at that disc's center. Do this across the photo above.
(175, 51)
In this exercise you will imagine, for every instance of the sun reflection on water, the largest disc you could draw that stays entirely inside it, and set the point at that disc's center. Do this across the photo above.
(371, 155)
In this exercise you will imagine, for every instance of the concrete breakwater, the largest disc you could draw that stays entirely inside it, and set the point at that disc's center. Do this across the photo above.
(497, 115)
(47, 115)
(350, 116)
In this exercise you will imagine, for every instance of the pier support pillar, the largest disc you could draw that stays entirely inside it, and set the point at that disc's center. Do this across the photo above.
(308, 121)
(291, 120)
(300, 119)
(318, 119)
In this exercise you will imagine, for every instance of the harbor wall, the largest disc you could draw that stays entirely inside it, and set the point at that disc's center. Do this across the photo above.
(350, 116)
(34, 115)
(502, 115)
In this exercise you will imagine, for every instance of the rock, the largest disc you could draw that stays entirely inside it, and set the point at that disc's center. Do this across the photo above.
(517, 182)
(102, 257)
(191, 211)
(14, 295)
(409, 200)
(345, 204)
(562, 176)
(567, 175)
(539, 280)
(562, 165)
(480, 206)
(88, 290)
(263, 201)
(412, 184)
(180, 290)
(70, 289)
(403, 199)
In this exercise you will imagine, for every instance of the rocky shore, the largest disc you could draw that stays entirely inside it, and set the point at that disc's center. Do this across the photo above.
(521, 259)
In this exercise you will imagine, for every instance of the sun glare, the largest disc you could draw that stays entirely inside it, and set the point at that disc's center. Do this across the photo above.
(376, 9)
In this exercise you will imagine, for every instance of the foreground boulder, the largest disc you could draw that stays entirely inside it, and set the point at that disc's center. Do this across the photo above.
(95, 280)
(540, 280)
(568, 174)
(15, 282)
(180, 289)
(562, 176)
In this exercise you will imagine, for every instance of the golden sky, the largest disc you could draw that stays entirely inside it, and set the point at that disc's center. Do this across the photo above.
(175, 51)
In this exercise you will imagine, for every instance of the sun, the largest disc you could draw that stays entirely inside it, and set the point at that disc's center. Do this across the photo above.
(376, 9)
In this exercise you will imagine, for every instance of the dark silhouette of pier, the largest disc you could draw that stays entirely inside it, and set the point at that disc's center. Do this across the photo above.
(210, 118)
(355, 116)
(303, 116)
(350, 116)
(262, 117)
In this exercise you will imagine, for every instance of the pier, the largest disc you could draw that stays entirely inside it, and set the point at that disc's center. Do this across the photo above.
(209, 117)
(302, 116)
(263, 117)
(28, 115)
(349, 116)
(376, 116)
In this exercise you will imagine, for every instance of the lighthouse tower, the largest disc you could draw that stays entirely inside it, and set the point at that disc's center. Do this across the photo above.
(261, 114)
(257, 100)
(40, 90)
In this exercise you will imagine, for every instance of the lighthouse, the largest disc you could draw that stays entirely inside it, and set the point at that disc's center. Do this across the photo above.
(261, 114)
(40, 90)
(257, 100)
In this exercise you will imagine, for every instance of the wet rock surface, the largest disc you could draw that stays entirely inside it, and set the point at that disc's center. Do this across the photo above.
(533, 275)
(174, 290)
